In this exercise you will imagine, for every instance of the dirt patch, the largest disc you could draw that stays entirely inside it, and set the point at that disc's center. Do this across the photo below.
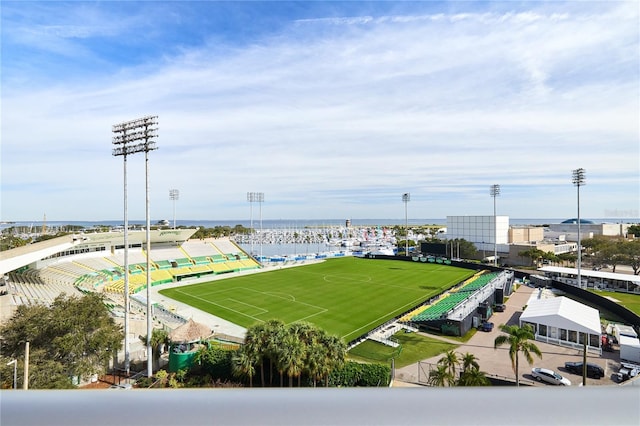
(104, 382)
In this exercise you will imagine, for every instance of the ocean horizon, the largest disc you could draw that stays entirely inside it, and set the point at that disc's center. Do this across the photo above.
(293, 223)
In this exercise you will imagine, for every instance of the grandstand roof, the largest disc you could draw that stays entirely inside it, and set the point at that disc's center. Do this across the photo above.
(21, 256)
(13, 259)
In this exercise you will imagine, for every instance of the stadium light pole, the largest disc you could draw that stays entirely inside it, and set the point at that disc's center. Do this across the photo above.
(251, 199)
(494, 190)
(579, 180)
(260, 196)
(255, 197)
(406, 197)
(174, 195)
(142, 132)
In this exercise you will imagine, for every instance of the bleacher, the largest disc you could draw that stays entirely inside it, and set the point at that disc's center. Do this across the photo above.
(478, 282)
(25, 291)
(167, 264)
(454, 298)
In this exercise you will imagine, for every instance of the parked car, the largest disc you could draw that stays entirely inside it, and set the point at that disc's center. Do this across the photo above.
(549, 376)
(593, 370)
(500, 307)
(486, 326)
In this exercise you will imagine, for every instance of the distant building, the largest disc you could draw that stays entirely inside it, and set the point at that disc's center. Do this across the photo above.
(525, 234)
(568, 229)
(482, 231)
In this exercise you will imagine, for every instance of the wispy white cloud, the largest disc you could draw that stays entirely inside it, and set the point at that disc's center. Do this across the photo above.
(338, 116)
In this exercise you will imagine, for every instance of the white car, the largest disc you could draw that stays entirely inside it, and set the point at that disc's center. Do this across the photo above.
(549, 376)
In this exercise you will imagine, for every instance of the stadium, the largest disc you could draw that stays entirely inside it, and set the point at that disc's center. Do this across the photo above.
(369, 297)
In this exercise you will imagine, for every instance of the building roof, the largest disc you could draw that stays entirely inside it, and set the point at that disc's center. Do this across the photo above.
(562, 312)
(595, 274)
(575, 221)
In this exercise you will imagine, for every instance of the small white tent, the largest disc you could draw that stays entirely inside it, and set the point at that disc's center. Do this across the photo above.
(563, 321)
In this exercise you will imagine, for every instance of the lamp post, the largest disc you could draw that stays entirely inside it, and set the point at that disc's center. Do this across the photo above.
(255, 197)
(494, 190)
(406, 197)
(174, 195)
(142, 131)
(579, 180)
(15, 373)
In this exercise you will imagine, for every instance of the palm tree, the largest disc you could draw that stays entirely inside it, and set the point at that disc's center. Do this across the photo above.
(254, 342)
(440, 376)
(450, 361)
(159, 337)
(518, 340)
(336, 352)
(243, 364)
(274, 334)
(316, 361)
(473, 377)
(292, 357)
(469, 361)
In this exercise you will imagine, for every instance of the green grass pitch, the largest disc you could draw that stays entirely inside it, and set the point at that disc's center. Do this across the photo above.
(346, 297)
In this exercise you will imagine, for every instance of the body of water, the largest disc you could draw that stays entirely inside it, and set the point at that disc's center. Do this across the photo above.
(293, 223)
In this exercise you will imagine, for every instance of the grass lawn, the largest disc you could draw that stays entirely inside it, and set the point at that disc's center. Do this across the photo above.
(346, 297)
(629, 301)
(414, 347)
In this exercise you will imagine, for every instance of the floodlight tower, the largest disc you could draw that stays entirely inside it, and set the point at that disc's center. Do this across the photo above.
(255, 197)
(578, 181)
(174, 195)
(406, 197)
(142, 132)
(494, 190)
(260, 199)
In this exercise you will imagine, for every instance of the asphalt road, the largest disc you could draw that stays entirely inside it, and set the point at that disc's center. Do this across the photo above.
(497, 362)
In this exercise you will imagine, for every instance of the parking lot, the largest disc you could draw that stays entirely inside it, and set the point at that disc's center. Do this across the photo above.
(497, 362)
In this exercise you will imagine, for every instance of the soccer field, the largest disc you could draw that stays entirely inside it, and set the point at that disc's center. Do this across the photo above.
(346, 297)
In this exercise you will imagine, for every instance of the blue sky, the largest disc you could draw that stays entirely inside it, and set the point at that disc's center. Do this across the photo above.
(332, 109)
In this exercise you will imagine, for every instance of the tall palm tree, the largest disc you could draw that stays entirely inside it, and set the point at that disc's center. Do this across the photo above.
(274, 334)
(307, 334)
(469, 361)
(450, 361)
(336, 351)
(316, 361)
(291, 357)
(243, 364)
(440, 376)
(518, 340)
(254, 342)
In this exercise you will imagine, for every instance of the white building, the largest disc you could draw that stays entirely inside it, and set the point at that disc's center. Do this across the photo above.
(563, 321)
(480, 230)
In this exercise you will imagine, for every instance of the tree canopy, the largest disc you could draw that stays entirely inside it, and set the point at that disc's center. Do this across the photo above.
(292, 350)
(73, 337)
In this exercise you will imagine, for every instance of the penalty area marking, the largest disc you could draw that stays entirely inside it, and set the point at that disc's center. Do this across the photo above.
(337, 278)
(259, 310)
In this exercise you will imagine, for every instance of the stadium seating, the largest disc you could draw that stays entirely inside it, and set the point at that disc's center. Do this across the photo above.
(106, 272)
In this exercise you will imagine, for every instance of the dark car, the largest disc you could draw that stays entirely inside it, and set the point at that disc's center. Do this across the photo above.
(486, 326)
(500, 307)
(593, 370)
